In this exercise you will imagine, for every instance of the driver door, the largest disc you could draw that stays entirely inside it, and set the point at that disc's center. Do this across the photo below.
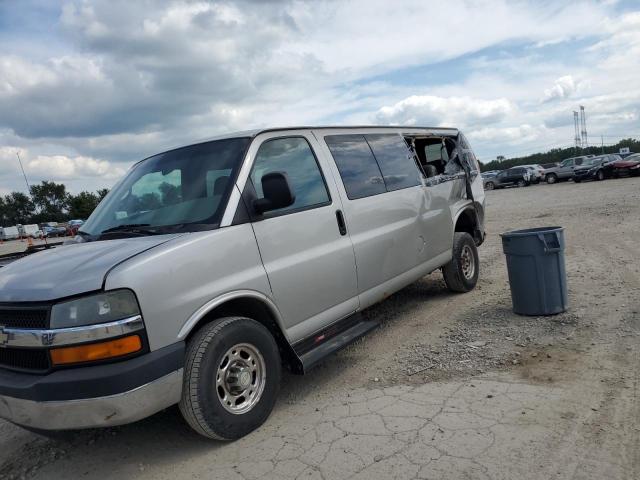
(306, 253)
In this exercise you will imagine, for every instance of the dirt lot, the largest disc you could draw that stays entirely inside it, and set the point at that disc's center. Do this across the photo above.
(451, 386)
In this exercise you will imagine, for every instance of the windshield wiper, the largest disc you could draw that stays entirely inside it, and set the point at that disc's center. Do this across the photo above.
(130, 228)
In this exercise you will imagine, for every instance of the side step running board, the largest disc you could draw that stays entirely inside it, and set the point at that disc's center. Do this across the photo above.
(312, 357)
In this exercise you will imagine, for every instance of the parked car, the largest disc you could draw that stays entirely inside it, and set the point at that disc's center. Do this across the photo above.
(490, 173)
(73, 226)
(52, 229)
(564, 171)
(10, 233)
(516, 176)
(275, 243)
(594, 168)
(537, 172)
(629, 166)
(31, 230)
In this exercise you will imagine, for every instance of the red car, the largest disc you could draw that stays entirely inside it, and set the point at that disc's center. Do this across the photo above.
(627, 166)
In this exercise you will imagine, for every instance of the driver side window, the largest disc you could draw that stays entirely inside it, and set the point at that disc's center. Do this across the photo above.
(294, 157)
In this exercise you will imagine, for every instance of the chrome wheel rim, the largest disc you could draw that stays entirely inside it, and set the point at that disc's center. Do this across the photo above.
(240, 378)
(467, 262)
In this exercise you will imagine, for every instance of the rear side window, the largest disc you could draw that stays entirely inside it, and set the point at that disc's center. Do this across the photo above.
(398, 167)
(358, 168)
(293, 156)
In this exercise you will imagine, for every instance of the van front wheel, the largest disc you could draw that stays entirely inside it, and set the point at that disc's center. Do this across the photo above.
(461, 273)
(231, 378)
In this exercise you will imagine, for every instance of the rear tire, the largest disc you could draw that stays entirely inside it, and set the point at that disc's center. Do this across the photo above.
(461, 273)
(231, 378)
(489, 186)
(521, 183)
(576, 180)
(552, 178)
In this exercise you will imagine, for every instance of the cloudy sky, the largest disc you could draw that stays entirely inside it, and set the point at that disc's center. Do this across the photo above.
(88, 87)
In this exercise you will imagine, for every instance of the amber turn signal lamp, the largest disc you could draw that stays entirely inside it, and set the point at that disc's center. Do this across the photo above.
(96, 351)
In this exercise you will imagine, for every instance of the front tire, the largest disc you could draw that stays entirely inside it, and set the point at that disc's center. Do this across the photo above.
(489, 186)
(599, 175)
(521, 183)
(231, 378)
(461, 273)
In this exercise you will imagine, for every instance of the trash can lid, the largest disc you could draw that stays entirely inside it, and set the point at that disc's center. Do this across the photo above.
(530, 231)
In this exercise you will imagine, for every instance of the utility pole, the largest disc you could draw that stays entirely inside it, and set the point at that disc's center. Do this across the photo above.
(576, 138)
(24, 174)
(602, 140)
(583, 123)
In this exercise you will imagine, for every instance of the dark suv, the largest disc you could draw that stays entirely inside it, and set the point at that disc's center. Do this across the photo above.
(515, 176)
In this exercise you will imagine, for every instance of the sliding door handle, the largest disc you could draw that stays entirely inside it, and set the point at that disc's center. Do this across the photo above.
(342, 227)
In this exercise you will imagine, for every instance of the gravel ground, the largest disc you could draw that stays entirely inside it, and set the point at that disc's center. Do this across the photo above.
(450, 387)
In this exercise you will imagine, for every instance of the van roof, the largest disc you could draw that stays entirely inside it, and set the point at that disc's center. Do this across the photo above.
(404, 128)
(407, 129)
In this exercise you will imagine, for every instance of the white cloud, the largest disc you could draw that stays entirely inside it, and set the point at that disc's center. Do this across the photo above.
(129, 79)
(563, 87)
(61, 167)
(514, 135)
(440, 111)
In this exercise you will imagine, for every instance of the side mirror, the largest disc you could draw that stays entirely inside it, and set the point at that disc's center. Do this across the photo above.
(277, 193)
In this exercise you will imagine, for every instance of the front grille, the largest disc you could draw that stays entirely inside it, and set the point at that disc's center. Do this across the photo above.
(21, 317)
(24, 359)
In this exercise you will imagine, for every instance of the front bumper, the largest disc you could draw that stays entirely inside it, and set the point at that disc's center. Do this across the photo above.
(98, 396)
(584, 175)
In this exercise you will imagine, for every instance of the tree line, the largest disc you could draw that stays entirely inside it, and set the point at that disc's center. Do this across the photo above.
(48, 202)
(558, 154)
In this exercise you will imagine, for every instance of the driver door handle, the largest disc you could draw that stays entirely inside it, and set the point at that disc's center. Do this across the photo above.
(342, 227)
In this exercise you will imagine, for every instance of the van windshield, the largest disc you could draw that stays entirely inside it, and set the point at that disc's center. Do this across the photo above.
(181, 190)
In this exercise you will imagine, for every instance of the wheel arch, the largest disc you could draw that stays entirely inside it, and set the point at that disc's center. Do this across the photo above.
(250, 304)
(467, 220)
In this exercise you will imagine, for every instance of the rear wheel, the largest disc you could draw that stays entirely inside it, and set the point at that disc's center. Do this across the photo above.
(461, 273)
(576, 180)
(231, 378)
(552, 178)
(489, 186)
(521, 183)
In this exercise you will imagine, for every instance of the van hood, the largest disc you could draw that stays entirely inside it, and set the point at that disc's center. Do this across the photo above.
(69, 269)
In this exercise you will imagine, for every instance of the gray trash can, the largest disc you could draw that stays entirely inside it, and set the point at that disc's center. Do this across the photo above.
(535, 262)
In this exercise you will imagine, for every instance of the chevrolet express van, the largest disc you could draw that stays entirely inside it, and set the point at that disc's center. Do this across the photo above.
(208, 268)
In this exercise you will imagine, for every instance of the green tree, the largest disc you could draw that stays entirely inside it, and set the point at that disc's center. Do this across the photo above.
(52, 201)
(170, 193)
(17, 207)
(82, 204)
(102, 193)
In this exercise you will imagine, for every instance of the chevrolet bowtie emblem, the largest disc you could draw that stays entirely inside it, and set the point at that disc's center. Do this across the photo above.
(4, 338)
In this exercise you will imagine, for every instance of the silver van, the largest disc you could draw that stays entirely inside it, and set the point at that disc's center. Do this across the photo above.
(208, 268)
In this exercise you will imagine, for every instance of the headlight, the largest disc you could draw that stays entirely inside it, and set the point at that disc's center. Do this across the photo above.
(99, 308)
